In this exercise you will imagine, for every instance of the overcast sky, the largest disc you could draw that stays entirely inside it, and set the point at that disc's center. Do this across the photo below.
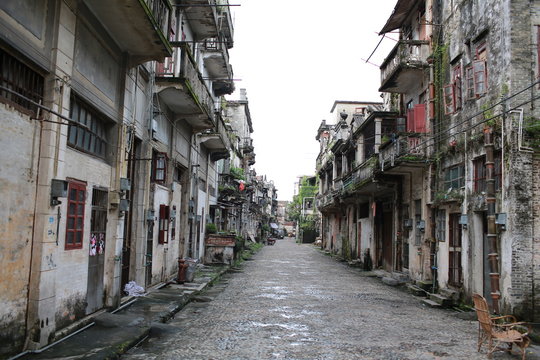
(295, 58)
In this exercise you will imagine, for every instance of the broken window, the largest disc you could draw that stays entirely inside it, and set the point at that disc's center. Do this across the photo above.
(88, 131)
(75, 215)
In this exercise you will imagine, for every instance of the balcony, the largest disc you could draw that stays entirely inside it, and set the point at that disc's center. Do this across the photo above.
(139, 27)
(216, 61)
(406, 153)
(225, 22)
(404, 66)
(247, 146)
(181, 87)
(202, 16)
(217, 141)
(360, 181)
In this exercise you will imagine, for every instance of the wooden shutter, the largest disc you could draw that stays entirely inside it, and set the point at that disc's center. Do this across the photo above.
(410, 120)
(420, 118)
(479, 77)
(75, 215)
(449, 99)
(163, 224)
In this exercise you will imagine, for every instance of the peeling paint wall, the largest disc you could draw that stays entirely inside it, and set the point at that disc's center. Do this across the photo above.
(19, 143)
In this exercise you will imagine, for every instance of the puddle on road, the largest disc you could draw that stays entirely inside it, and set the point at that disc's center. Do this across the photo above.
(291, 327)
(272, 296)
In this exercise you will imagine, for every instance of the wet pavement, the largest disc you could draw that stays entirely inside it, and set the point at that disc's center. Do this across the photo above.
(293, 302)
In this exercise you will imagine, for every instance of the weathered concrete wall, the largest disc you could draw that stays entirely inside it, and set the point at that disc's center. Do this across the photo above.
(19, 144)
(72, 265)
(159, 251)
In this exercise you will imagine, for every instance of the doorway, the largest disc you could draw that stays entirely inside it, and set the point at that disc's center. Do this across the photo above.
(129, 226)
(455, 270)
(96, 253)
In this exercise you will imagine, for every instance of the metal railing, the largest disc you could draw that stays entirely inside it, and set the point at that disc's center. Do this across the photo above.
(182, 66)
(405, 148)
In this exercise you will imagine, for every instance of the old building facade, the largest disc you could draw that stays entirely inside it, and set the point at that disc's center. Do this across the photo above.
(446, 191)
(115, 132)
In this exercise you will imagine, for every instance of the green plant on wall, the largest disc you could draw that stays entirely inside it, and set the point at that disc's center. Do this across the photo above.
(531, 125)
(211, 228)
(237, 173)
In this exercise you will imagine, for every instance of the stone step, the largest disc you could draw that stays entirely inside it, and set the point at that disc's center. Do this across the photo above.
(441, 300)
(415, 290)
(431, 303)
(425, 284)
(449, 293)
(401, 277)
(390, 281)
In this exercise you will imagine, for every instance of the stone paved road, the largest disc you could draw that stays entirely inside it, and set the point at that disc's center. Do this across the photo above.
(293, 302)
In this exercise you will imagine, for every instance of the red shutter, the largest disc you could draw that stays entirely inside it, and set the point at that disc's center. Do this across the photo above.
(75, 215)
(410, 120)
(163, 224)
(420, 118)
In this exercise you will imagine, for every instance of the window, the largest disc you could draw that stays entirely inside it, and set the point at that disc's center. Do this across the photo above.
(89, 132)
(75, 215)
(479, 176)
(440, 225)
(159, 167)
(98, 222)
(452, 92)
(17, 77)
(480, 172)
(476, 74)
(163, 224)
(454, 177)
(449, 99)
(417, 221)
(456, 79)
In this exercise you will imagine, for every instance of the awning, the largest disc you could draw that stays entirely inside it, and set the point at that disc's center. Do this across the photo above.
(274, 226)
(399, 15)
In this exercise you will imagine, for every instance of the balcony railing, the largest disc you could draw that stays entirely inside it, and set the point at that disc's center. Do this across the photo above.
(183, 67)
(407, 54)
(404, 149)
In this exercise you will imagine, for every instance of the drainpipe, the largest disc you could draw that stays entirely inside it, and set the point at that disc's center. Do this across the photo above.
(493, 256)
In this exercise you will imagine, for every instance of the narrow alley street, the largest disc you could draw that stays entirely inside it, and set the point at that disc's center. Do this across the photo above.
(293, 302)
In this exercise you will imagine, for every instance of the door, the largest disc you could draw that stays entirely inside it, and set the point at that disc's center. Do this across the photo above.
(96, 255)
(149, 254)
(455, 272)
(129, 226)
(387, 231)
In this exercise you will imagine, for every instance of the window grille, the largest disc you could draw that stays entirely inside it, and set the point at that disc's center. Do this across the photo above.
(17, 77)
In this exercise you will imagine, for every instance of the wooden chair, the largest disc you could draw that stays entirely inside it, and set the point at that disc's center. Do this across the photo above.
(498, 330)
